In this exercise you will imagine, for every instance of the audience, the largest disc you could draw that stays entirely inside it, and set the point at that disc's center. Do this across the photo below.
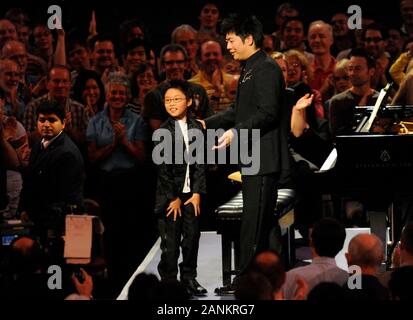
(110, 130)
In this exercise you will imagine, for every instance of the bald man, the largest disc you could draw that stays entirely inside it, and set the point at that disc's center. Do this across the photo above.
(269, 263)
(320, 39)
(366, 251)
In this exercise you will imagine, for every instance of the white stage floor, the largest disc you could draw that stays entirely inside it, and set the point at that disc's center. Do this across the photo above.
(210, 263)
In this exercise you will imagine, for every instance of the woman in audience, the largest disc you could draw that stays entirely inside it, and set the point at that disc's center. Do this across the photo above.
(309, 140)
(340, 80)
(300, 74)
(88, 89)
(143, 80)
(116, 139)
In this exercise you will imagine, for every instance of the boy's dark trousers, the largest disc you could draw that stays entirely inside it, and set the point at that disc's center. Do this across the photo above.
(182, 232)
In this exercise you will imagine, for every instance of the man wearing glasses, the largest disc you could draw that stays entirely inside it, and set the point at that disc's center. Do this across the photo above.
(174, 63)
(375, 41)
(185, 35)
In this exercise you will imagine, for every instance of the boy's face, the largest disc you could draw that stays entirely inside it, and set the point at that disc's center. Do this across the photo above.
(49, 125)
(176, 103)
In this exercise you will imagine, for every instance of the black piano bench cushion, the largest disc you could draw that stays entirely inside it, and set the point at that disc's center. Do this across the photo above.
(232, 209)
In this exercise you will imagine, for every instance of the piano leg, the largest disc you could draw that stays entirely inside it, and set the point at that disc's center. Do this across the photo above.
(378, 226)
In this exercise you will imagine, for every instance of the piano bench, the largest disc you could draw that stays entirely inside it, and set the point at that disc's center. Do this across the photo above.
(229, 225)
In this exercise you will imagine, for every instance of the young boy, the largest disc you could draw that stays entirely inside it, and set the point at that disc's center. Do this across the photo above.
(178, 193)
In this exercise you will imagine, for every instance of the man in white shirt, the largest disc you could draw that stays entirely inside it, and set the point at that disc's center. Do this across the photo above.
(327, 239)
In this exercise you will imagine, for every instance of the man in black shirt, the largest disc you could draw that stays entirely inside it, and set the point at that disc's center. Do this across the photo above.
(342, 106)
(258, 106)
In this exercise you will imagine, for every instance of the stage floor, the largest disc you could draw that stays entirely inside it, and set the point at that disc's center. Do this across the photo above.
(209, 262)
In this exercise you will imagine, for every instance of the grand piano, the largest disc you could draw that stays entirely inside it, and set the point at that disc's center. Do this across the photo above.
(374, 165)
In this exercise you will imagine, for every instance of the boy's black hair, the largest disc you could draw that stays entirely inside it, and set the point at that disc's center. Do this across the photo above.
(181, 85)
(243, 26)
(51, 107)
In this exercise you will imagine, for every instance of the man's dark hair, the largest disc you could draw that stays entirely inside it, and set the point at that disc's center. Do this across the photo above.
(48, 107)
(243, 26)
(126, 28)
(289, 19)
(378, 27)
(100, 38)
(400, 284)
(181, 85)
(328, 237)
(217, 3)
(361, 53)
(285, 6)
(406, 238)
(135, 43)
(174, 47)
